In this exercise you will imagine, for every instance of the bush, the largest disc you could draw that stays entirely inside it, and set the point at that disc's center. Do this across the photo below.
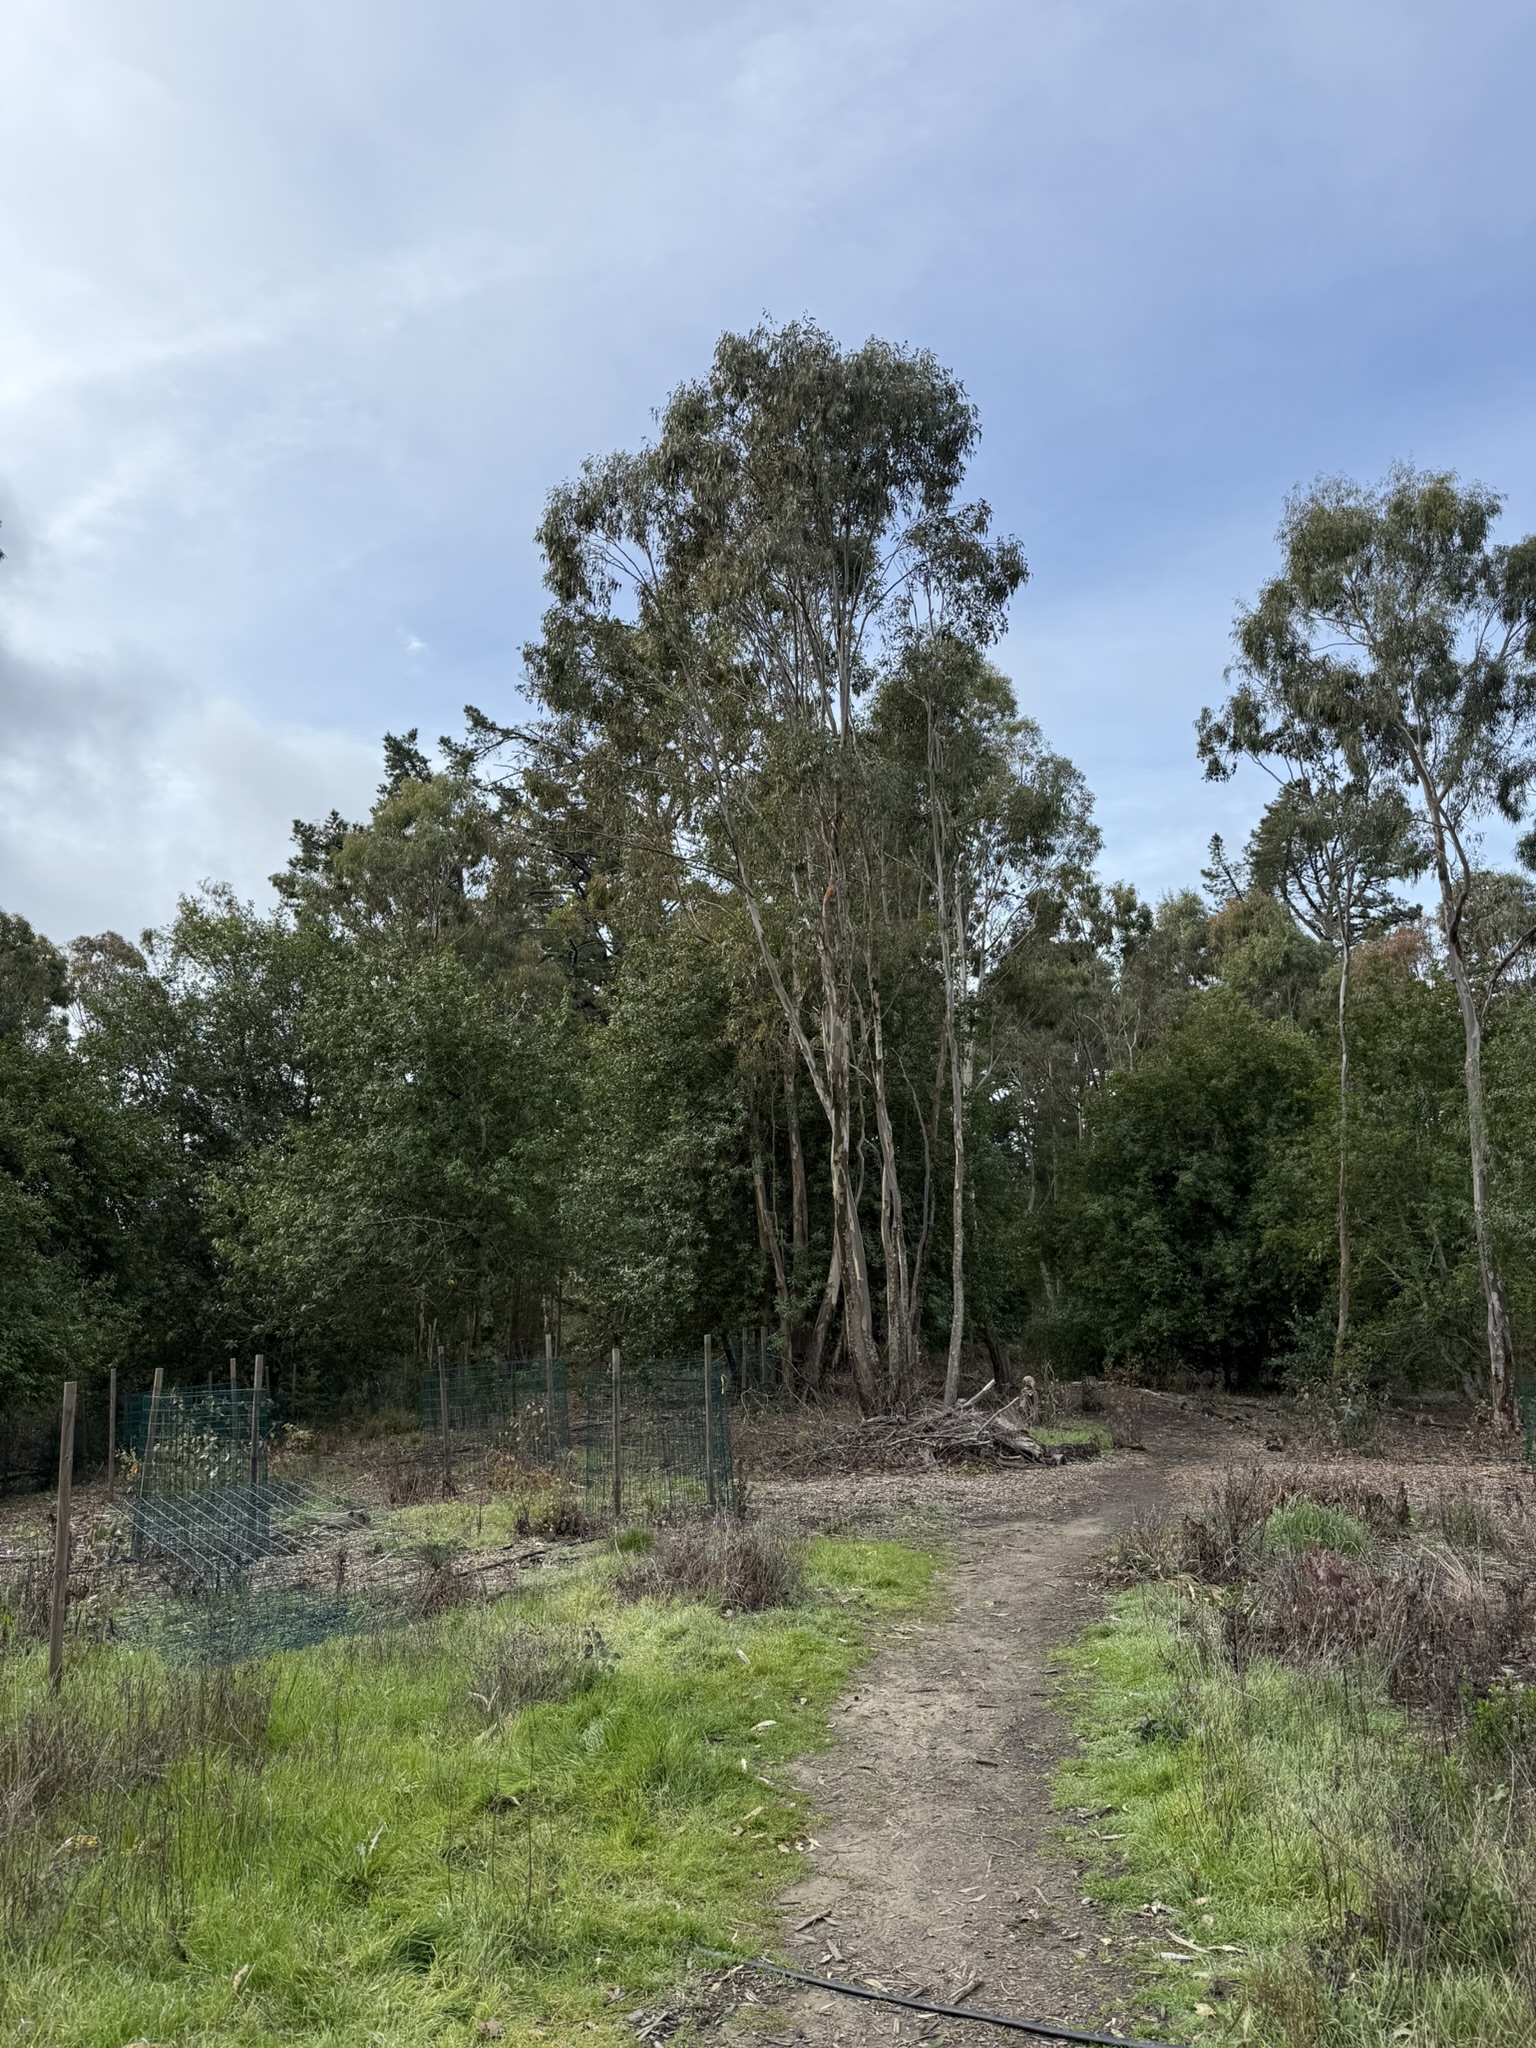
(525, 1665)
(743, 1567)
(1305, 1524)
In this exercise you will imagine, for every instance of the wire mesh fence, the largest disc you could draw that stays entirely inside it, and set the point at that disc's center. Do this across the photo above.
(211, 1554)
(520, 1404)
(185, 1440)
(655, 1441)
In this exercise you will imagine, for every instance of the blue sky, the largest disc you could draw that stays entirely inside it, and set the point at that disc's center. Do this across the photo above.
(305, 309)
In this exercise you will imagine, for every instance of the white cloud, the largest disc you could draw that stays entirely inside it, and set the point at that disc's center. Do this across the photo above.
(120, 789)
(306, 307)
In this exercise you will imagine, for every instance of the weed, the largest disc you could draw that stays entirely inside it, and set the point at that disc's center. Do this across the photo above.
(745, 1567)
(526, 1663)
(1303, 1524)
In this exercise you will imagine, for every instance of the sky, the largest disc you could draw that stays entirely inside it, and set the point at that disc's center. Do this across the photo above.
(305, 309)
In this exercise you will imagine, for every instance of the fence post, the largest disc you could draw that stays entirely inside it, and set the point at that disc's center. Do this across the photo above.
(549, 1393)
(112, 1434)
(618, 1445)
(442, 1416)
(256, 1375)
(762, 1356)
(709, 1421)
(61, 1538)
(743, 1362)
(149, 1446)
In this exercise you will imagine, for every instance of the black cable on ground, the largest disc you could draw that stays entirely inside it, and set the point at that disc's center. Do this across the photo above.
(1044, 2030)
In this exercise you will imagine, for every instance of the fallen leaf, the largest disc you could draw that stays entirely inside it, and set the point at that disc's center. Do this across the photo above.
(759, 1726)
(239, 1977)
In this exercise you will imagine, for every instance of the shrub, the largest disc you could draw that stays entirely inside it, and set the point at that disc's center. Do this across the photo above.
(742, 1566)
(525, 1664)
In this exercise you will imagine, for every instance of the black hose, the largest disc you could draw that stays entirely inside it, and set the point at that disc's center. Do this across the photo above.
(1045, 2030)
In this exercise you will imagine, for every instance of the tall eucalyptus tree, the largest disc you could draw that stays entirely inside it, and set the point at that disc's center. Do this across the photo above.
(1397, 630)
(723, 600)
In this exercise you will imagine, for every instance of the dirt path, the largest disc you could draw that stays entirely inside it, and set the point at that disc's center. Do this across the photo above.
(939, 1870)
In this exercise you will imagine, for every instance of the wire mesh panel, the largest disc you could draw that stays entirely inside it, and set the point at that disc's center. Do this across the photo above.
(188, 1439)
(518, 1405)
(753, 1365)
(667, 1452)
(217, 1535)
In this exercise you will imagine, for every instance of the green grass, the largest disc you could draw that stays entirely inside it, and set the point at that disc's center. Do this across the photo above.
(1310, 1525)
(1075, 1433)
(1273, 1811)
(385, 1864)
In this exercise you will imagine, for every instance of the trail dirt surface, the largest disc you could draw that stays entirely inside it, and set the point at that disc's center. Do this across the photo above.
(939, 1870)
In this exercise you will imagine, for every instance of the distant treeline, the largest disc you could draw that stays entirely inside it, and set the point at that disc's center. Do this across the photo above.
(765, 975)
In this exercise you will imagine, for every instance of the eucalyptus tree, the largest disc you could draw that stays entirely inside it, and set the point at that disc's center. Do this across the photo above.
(723, 600)
(1000, 829)
(1335, 836)
(1397, 631)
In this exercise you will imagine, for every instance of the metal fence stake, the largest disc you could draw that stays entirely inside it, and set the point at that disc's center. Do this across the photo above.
(112, 1434)
(61, 1538)
(256, 1377)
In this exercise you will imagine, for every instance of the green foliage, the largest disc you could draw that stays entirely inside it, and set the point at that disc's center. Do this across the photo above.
(659, 1202)
(423, 1184)
(1161, 1231)
(73, 1171)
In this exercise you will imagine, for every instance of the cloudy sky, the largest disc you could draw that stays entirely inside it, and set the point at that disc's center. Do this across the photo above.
(304, 308)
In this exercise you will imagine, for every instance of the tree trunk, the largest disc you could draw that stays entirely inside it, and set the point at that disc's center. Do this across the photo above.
(847, 1232)
(957, 1241)
(893, 1234)
(1501, 1381)
(1344, 1264)
(816, 1351)
(771, 1244)
(800, 1207)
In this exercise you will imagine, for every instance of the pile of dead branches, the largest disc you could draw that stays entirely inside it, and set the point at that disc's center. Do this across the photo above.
(968, 1434)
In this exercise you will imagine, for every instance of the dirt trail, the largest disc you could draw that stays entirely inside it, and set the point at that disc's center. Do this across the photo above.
(937, 1870)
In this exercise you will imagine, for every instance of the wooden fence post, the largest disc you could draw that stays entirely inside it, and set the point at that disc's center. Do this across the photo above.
(61, 1538)
(112, 1434)
(549, 1393)
(149, 1447)
(709, 1421)
(618, 1445)
(442, 1414)
(256, 1379)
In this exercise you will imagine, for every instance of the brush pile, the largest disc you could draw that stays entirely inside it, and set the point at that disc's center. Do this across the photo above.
(967, 1434)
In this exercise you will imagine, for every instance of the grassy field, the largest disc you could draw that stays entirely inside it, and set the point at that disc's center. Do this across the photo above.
(528, 1815)
(1310, 1767)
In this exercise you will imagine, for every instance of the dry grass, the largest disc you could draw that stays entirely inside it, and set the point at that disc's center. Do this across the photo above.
(739, 1567)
